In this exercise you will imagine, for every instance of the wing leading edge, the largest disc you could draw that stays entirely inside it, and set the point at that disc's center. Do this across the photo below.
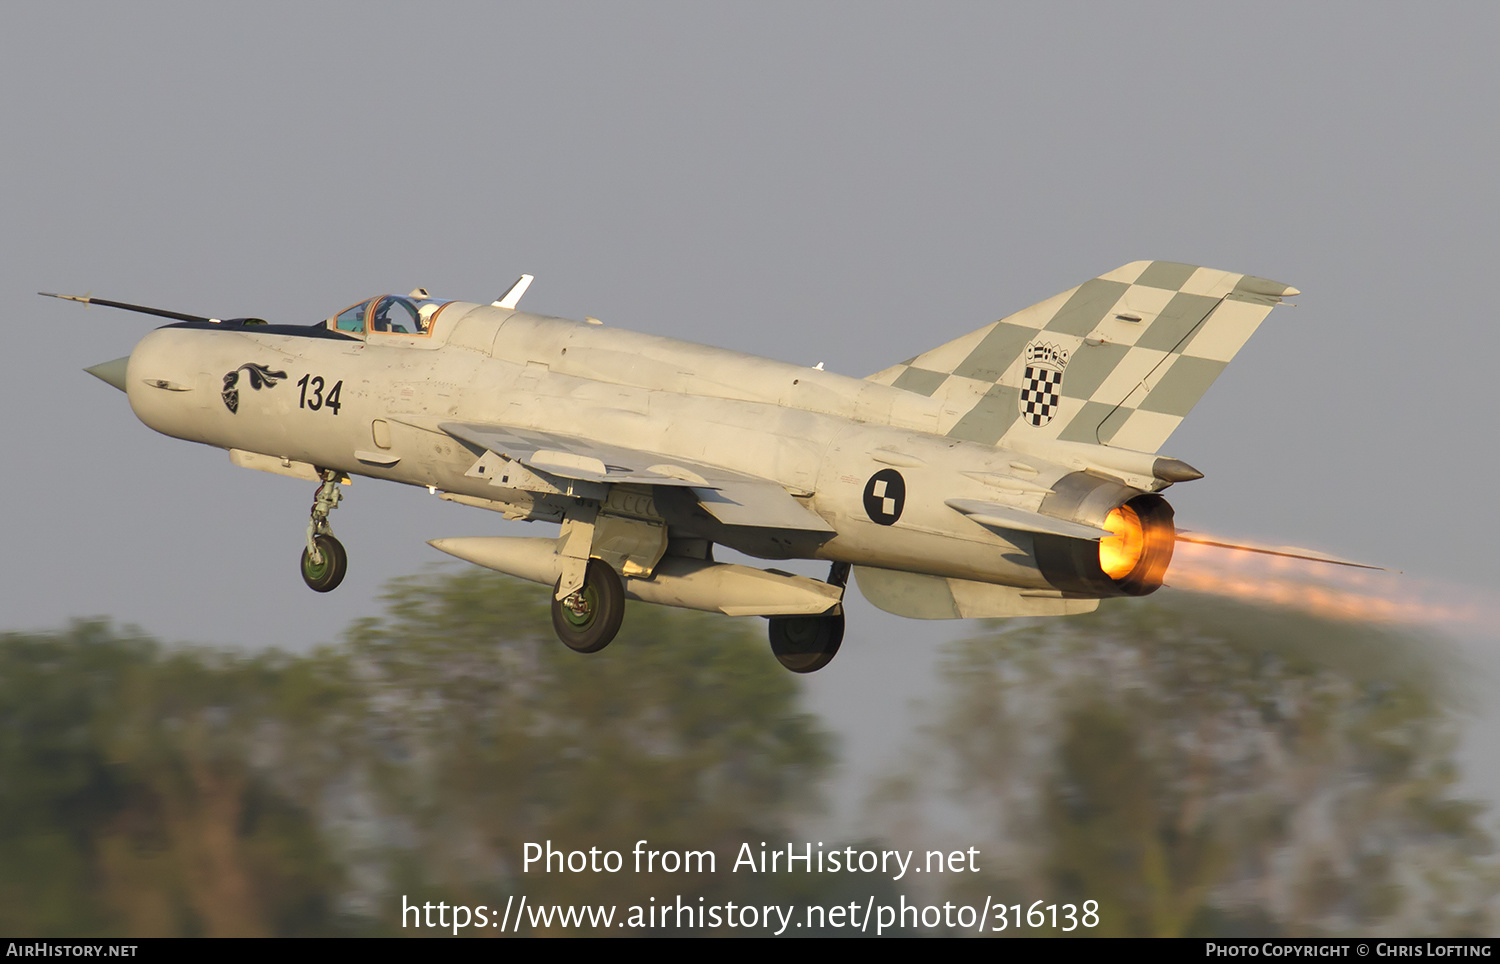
(733, 498)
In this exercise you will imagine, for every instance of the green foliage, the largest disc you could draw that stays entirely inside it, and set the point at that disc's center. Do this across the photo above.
(1195, 767)
(683, 731)
(1204, 767)
(156, 791)
(129, 802)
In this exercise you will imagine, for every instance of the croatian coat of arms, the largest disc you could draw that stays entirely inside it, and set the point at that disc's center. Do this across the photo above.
(1041, 383)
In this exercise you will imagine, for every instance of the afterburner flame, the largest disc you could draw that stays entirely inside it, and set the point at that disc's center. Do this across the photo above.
(1119, 553)
(1332, 592)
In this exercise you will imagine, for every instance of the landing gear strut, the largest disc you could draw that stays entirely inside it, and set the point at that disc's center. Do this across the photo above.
(806, 644)
(588, 619)
(324, 561)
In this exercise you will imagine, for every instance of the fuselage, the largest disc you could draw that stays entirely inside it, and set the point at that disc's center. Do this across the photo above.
(1010, 471)
(372, 405)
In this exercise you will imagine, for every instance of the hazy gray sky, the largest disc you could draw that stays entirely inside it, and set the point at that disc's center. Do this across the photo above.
(845, 183)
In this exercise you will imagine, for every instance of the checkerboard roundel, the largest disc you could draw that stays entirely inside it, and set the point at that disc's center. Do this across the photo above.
(885, 497)
(1041, 383)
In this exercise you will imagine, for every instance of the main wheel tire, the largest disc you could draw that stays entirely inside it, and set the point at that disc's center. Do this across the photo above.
(588, 620)
(326, 574)
(806, 644)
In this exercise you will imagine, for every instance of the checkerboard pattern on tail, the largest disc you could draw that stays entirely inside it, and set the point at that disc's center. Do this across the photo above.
(1119, 360)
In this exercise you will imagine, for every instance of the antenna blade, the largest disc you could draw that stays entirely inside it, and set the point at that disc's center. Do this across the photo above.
(513, 297)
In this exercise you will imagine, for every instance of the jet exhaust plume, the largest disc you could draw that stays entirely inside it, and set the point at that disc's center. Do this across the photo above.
(1210, 565)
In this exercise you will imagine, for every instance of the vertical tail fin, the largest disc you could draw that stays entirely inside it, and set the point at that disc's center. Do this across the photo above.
(1119, 360)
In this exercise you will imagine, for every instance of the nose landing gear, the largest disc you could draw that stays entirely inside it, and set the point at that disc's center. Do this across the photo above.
(324, 561)
(326, 571)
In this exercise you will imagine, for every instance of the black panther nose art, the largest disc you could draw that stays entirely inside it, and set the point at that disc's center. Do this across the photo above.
(259, 375)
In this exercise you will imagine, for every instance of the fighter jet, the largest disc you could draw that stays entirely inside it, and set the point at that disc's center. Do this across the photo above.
(1012, 471)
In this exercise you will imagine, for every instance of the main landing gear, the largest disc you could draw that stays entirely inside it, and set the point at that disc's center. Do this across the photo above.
(324, 561)
(588, 619)
(806, 644)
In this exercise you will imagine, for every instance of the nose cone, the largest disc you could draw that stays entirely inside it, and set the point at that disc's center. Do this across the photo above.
(111, 372)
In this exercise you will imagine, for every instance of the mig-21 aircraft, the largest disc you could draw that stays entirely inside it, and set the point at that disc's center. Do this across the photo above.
(1013, 471)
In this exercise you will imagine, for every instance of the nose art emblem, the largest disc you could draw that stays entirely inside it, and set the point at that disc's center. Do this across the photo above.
(259, 375)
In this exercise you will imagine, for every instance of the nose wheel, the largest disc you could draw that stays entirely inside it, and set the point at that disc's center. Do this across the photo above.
(587, 620)
(324, 561)
(326, 571)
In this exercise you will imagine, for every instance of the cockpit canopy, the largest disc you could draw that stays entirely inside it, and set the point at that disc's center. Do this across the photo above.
(411, 314)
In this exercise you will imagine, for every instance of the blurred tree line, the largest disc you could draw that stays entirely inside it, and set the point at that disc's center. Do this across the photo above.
(1206, 768)
(1194, 767)
(155, 791)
